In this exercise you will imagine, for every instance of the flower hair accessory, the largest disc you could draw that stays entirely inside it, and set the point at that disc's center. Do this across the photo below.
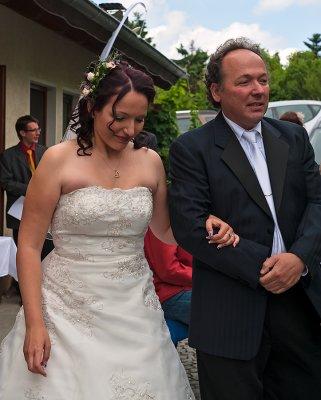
(95, 73)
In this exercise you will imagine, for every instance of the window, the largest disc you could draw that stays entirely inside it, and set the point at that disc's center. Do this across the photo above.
(304, 109)
(316, 144)
(269, 113)
(315, 109)
(315, 139)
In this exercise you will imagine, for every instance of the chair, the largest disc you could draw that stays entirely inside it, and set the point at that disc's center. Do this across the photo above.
(177, 330)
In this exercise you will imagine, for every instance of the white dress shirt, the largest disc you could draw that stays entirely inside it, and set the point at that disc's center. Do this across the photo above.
(263, 178)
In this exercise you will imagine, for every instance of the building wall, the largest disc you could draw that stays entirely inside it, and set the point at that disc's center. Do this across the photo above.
(35, 54)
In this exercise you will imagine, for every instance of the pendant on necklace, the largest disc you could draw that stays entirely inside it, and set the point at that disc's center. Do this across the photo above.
(116, 173)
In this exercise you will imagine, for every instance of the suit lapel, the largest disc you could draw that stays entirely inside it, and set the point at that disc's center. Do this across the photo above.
(37, 155)
(234, 157)
(21, 156)
(276, 151)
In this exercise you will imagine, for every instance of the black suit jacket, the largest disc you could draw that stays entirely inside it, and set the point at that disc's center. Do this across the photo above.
(15, 175)
(210, 173)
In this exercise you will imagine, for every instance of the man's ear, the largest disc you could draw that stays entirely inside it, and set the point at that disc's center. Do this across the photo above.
(22, 133)
(216, 92)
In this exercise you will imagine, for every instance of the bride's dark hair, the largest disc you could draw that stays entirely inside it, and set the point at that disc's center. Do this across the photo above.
(119, 81)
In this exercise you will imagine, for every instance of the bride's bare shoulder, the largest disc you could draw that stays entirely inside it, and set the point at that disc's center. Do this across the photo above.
(60, 152)
(149, 155)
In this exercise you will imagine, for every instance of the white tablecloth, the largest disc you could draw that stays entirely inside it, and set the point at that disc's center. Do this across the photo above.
(8, 253)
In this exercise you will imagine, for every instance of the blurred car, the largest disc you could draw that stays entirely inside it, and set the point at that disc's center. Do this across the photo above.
(315, 139)
(309, 109)
(183, 118)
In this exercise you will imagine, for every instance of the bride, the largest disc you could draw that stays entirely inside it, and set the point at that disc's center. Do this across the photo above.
(91, 326)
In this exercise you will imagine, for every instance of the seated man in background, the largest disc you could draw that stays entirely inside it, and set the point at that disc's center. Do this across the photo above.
(292, 116)
(172, 269)
(171, 265)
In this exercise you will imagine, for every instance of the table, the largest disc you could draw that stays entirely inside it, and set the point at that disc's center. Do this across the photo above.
(8, 253)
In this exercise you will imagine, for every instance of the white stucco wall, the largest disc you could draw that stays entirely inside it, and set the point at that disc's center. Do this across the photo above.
(33, 53)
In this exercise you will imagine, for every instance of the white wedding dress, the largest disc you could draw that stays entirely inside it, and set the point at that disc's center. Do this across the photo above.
(108, 334)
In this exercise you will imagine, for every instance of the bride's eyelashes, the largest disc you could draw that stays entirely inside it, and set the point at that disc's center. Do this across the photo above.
(119, 118)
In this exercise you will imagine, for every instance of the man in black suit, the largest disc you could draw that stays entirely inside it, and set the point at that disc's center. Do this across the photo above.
(17, 164)
(255, 308)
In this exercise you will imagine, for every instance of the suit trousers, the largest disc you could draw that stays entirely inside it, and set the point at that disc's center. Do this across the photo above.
(288, 363)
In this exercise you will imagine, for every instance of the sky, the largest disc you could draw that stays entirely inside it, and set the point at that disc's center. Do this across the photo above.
(277, 25)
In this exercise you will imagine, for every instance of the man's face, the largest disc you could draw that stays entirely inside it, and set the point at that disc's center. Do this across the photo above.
(244, 91)
(31, 134)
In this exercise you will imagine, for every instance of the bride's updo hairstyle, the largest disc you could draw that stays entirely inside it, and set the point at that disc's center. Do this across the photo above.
(103, 81)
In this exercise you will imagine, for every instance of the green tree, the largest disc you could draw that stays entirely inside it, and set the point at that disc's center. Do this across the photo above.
(302, 77)
(139, 26)
(193, 60)
(315, 44)
(276, 73)
(186, 94)
(161, 120)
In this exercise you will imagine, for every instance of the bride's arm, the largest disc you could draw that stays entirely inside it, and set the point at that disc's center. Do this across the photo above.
(160, 223)
(42, 196)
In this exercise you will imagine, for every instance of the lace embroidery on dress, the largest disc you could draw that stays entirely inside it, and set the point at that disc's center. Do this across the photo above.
(135, 207)
(60, 295)
(75, 209)
(34, 394)
(60, 239)
(151, 299)
(189, 392)
(3, 347)
(114, 244)
(126, 388)
(131, 267)
(77, 255)
(49, 324)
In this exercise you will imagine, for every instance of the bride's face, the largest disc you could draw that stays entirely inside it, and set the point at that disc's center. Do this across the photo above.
(130, 113)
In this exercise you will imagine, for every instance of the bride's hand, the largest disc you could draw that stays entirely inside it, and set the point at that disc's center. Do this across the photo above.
(36, 349)
(225, 235)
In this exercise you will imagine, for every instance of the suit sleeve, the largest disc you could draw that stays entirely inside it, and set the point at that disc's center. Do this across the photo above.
(7, 181)
(190, 205)
(307, 245)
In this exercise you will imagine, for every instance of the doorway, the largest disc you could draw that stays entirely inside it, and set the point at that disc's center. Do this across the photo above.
(2, 132)
(38, 109)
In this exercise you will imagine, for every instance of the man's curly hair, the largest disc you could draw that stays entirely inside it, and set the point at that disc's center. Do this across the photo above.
(214, 68)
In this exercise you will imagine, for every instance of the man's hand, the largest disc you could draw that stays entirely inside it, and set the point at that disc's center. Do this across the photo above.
(225, 235)
(280, 272)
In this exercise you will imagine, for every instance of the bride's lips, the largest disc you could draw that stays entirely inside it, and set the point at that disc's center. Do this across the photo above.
(122, 139)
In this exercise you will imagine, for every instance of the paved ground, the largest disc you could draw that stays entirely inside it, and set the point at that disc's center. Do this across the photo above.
(8, 310)
(10, 306)
(188, 357)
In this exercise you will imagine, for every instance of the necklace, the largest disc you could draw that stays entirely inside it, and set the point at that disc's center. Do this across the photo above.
(115, 169)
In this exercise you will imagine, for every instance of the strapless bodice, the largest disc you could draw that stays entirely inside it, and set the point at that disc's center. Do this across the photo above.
(97, 222)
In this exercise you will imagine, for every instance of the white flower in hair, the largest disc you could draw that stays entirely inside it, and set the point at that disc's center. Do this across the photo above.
(85, 92)
(111, 65)
(90, 76)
